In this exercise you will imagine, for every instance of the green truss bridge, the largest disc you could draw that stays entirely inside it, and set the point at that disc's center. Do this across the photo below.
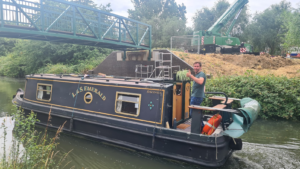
(67, 22)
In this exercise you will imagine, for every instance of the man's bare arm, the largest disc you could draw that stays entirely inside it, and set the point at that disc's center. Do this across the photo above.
(197, 80)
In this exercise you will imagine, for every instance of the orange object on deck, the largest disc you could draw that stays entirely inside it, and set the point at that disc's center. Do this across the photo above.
(212, 124)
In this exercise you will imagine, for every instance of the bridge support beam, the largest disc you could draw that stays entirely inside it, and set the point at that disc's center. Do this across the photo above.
(143, 36)
(82, 16)
(24, 13)
(66, 10)
(109, 28)
(128, 32)
(42, 15)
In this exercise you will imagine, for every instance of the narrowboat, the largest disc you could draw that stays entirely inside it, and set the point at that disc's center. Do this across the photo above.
(150, 115)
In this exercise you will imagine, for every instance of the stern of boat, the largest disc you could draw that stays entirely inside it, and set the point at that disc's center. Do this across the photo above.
(18, 98)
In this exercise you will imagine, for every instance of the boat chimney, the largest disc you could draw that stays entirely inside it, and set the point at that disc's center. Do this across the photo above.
(174, 75)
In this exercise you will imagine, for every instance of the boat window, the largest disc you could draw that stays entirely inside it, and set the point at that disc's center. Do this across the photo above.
(128, 103)
(88, 98)
(44, 92)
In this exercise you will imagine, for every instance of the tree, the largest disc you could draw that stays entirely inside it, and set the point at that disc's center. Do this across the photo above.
(148, 9)
(166, 17)
(205, 18)
(164, 29)
(266, 30)
(292, 26)
(6, 46)
(188, 31)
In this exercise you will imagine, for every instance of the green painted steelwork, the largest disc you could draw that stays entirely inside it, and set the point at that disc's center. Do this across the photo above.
(217, 40)
(226, 17)
(58, 18)
(67, 22)
(130, 34)
(249, 48)
(234, 10)
(213, 36)
(17, 6)
(233, 22)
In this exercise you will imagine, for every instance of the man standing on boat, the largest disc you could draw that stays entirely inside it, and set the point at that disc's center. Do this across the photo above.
(198, 85)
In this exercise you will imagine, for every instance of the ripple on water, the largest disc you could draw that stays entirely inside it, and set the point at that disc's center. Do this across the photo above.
(264, 156)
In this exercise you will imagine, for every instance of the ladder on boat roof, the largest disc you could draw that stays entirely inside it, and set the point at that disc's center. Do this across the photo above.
(143, 70)
(163, 66)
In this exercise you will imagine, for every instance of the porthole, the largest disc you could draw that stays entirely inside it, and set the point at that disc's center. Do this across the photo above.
(88, 97)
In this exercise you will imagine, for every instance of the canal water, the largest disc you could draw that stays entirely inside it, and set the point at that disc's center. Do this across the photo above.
(268, 144)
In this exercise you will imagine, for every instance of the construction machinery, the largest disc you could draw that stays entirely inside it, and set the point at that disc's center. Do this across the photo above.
(212, 41)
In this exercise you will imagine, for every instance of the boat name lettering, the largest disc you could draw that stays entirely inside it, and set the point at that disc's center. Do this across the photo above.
(91, 89)
(154, 92)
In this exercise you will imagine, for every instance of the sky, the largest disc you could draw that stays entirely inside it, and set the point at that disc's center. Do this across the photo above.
(120, 7)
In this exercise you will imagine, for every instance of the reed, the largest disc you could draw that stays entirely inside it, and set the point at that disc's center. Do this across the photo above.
(31, 149)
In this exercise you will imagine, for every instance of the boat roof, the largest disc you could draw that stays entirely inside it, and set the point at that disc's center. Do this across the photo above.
(130, 81)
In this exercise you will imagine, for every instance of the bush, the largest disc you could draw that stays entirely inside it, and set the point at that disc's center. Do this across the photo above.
(80, 68)
(29, 57)
(278, 96)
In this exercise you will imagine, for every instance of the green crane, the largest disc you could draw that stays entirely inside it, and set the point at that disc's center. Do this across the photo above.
(211, 41)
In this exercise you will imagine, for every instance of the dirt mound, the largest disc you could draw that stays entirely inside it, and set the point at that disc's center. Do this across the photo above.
(217, 64)
(256, 62)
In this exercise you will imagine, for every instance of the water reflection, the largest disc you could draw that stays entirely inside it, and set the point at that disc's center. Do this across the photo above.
(8, 87)
(260, 150)
(7, 124)
(275, 134)
(268, 144)
(97, 154)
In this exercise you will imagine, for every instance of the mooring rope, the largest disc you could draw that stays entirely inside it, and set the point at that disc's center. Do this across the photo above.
(216, 146)
(234, 140)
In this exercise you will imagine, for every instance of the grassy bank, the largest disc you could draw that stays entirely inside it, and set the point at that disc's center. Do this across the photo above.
(27, 148)
(278, 96)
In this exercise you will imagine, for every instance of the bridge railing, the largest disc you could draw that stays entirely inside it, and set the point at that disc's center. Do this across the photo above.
(69, 18)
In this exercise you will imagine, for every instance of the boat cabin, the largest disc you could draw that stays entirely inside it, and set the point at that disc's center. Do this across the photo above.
(153, 102)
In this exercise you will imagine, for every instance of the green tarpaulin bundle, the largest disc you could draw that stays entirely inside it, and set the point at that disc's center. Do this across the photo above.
(242, 122)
